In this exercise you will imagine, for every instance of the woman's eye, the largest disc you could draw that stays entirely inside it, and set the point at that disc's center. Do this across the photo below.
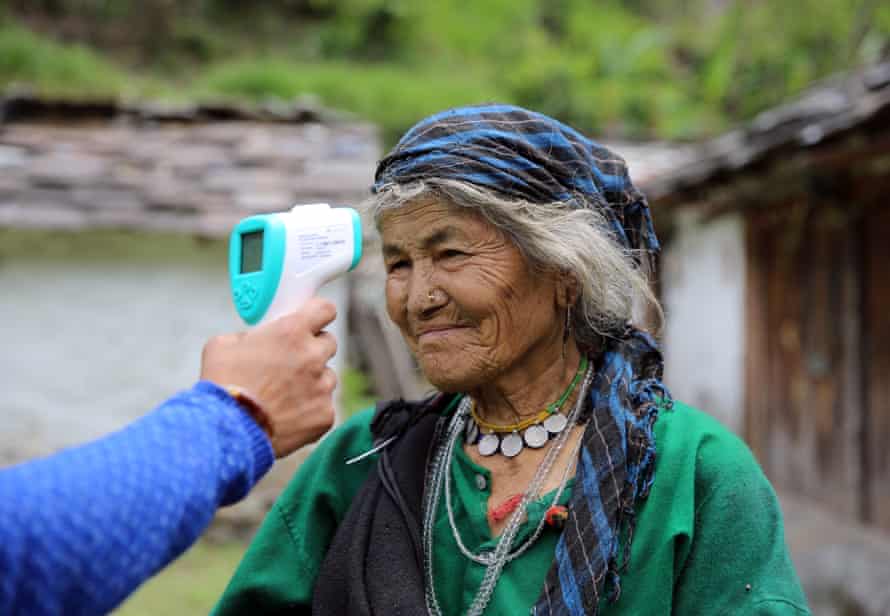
(447, 254)
(397, 265)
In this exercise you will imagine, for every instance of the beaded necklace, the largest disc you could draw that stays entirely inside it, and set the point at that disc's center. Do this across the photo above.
(535, 431)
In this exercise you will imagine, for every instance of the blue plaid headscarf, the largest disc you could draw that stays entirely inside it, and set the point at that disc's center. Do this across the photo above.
(526, 155)
(522, 154)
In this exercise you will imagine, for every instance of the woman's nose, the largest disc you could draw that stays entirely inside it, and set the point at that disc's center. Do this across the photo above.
(424, 296)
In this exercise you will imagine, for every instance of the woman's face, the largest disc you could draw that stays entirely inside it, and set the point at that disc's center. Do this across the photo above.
(489, 312)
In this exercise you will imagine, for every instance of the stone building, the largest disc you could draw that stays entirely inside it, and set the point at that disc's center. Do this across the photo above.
(775, 259)
(776, 283)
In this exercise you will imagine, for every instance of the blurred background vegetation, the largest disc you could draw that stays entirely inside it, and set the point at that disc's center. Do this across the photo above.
(678, 69)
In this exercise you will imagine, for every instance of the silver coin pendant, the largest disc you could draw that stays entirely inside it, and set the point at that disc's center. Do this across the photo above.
(535, 436)
(556, 423)
(511, 445)
(489, 444)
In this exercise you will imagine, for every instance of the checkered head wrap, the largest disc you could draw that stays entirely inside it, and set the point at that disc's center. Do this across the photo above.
(526, 155)
(530, 156)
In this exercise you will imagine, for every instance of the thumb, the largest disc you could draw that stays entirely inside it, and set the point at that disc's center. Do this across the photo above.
(314, 315)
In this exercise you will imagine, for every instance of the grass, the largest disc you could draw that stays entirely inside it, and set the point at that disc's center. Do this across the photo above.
(391, 96)
(46, 67)
(192, 585)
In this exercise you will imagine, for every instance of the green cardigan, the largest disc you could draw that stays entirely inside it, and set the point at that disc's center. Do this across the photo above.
(709, 539)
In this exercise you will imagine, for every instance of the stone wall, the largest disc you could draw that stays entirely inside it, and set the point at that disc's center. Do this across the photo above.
(175, 176)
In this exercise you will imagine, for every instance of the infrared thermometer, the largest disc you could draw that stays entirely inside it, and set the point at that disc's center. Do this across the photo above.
(278, 261)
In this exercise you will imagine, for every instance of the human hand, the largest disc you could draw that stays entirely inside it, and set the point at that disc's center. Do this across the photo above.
(282, 365)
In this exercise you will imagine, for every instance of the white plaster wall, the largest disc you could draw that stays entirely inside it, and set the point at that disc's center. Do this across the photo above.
(98, 328)
(703, 270)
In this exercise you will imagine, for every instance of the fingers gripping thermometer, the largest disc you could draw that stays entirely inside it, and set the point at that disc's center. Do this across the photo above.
(278, 261)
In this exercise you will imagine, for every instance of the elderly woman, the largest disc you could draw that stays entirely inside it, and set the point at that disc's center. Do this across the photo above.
(551, 473)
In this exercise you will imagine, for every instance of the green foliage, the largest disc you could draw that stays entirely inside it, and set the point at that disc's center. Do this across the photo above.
(355, 391)
(602, 71)
(50, 67)
(394, 97)
(644, 68)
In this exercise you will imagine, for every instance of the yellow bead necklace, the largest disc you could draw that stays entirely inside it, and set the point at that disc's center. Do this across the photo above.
(540, 416)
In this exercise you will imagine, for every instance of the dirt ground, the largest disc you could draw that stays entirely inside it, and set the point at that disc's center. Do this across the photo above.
(844, 567)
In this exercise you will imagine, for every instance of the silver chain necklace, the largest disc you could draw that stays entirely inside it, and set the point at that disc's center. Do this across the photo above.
(440, 481)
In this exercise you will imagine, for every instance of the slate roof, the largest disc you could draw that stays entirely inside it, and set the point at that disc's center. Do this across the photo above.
(77, 165)
(825, 114)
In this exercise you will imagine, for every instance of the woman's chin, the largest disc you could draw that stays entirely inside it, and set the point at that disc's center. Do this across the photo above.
(447, 376)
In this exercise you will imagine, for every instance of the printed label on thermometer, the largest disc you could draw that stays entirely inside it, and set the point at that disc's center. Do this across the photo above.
(322, 242)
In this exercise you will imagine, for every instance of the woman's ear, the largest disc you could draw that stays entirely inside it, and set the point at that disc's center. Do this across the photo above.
(567, 291)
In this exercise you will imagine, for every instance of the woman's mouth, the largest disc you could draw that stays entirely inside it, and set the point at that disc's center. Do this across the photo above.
(438, 333)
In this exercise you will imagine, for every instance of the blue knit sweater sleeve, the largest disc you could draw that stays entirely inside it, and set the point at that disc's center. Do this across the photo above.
(81, 529)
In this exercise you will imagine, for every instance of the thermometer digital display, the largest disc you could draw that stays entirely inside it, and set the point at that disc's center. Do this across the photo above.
(251, 252)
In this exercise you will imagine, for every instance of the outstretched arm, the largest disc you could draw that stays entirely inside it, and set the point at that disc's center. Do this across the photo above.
(82, 529)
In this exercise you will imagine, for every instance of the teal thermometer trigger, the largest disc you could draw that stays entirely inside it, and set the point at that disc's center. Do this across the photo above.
(278, 261)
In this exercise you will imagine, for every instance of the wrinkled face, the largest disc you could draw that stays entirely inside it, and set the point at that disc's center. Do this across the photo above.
(489, 311)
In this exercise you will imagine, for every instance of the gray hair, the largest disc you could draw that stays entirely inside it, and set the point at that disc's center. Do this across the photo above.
(559, 236)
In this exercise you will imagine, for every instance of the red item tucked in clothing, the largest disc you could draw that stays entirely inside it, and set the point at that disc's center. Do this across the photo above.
(500, 513)
(556, 516)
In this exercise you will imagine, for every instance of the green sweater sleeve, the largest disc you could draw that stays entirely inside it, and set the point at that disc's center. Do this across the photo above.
(280, 566)
(736, 561)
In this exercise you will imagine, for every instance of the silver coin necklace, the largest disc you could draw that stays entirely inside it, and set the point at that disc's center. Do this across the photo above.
(490, 439)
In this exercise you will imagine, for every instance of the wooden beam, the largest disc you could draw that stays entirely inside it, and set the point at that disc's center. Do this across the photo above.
(876, 459)
(779, 179)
